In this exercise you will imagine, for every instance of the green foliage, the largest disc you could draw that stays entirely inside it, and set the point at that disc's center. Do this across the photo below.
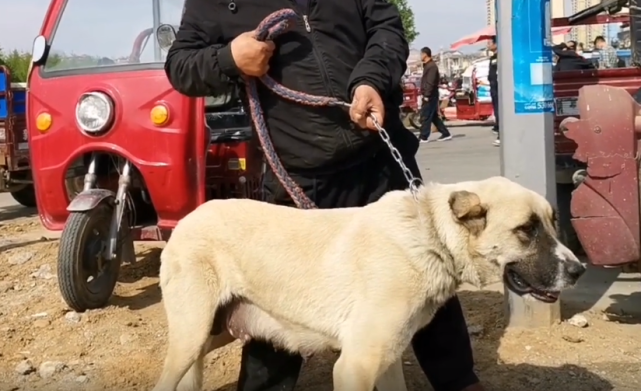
(408, 19)
(18, 63)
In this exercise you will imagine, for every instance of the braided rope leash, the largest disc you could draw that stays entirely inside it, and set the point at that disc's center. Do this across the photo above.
(272, 26)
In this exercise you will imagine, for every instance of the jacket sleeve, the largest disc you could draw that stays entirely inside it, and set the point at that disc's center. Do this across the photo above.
(385, 59)
(198, 62)
(429, 82)
(558, 50)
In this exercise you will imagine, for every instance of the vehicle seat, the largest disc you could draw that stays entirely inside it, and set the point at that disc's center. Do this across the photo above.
(226, 126)
(225, 118)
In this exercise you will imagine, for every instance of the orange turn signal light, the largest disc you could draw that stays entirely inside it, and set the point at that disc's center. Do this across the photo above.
(44, 122)
(159, 115)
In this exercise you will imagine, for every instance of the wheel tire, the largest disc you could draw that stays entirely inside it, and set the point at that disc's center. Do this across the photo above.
(25, 196)
(566, 231)
(414, 120)
(73, 258)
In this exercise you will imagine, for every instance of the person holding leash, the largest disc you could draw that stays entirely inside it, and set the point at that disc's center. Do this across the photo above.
(335, 157)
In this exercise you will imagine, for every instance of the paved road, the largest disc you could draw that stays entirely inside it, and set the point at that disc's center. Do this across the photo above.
(469, 156)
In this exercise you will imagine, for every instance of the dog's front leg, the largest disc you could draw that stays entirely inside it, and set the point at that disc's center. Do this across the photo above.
(392, 379)
(356, 371)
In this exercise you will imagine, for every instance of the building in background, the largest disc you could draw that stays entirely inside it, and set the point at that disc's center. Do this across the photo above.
(622, 34)
(587, 34)
(558, 11)
(490, 12)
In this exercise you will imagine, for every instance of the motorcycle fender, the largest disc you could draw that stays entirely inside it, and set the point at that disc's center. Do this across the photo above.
(89, 199)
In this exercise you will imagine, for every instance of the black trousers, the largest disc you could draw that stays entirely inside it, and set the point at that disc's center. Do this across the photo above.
(442, 348)
(494, 94)
(430, 115)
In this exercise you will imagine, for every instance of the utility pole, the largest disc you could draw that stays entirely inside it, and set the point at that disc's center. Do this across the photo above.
(526, 99)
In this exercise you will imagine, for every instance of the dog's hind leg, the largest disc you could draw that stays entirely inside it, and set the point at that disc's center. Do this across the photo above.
(190, 301)
(392, 379)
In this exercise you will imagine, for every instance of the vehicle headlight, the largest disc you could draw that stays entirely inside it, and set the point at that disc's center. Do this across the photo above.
(94, 112)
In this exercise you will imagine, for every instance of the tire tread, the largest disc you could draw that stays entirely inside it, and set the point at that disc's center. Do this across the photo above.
(70, 251)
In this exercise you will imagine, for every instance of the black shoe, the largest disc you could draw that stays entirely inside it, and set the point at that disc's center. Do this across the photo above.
(445, 138)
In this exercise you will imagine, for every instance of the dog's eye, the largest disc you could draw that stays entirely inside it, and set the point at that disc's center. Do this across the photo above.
(527, 230)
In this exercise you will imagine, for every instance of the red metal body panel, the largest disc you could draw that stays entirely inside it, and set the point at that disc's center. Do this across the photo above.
(171, 158)
(472, 111)
(568, 84)
(605, 207)
(177, 167)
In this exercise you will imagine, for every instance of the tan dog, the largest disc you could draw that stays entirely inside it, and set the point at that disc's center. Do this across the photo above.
(358, 280)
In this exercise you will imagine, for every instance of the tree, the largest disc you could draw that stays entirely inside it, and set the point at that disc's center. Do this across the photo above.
(408, 19)
(18, 64)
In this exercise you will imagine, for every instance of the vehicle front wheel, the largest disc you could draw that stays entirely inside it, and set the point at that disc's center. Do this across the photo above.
(86, 279)
(566, 231)
(25, 196)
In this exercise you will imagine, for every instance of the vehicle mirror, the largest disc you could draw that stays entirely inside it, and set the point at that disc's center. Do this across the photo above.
(166, 35)
(39, 49)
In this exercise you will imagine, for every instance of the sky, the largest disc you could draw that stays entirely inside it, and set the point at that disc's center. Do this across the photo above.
(107, 28)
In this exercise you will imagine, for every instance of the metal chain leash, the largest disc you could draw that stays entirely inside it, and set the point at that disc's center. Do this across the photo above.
(413, 182)
(273, 25)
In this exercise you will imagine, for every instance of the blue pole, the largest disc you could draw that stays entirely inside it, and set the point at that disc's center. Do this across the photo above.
(526, 99)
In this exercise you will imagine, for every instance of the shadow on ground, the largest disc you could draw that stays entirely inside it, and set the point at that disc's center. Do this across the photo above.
(484, 307)
(619, 310)
(466, 124)
(16, 211)
(611, 290)
(6, 245)
(147, 265)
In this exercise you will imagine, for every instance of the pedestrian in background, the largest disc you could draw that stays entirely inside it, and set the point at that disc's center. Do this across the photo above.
(493, 78)
(430, 107)
(607, 54)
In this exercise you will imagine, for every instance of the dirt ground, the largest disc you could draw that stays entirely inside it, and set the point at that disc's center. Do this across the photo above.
(44, 346)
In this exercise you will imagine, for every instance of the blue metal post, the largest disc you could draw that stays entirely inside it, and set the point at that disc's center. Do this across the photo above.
(526, 99)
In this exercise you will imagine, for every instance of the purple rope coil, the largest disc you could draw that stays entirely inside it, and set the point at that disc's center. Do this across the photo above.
(272, 26)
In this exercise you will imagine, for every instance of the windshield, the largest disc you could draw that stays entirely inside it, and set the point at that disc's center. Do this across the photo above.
(97, 33)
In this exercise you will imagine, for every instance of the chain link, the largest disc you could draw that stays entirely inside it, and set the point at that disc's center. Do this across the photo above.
(414, 182)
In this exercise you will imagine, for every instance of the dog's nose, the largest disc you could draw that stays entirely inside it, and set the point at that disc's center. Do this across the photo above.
(575, 269)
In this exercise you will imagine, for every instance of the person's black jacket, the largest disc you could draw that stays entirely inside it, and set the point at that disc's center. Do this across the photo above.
(337, 46)
(569, 60)
(493, 72)
(430, 80)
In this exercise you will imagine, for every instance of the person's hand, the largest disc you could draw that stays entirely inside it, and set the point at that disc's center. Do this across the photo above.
(250, 55)
(426, 99)
(367, 101)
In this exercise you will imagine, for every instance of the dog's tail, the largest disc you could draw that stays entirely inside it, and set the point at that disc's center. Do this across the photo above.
(191, 297)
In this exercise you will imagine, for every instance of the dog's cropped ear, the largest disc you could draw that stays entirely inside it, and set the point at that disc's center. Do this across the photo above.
(468, 210)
